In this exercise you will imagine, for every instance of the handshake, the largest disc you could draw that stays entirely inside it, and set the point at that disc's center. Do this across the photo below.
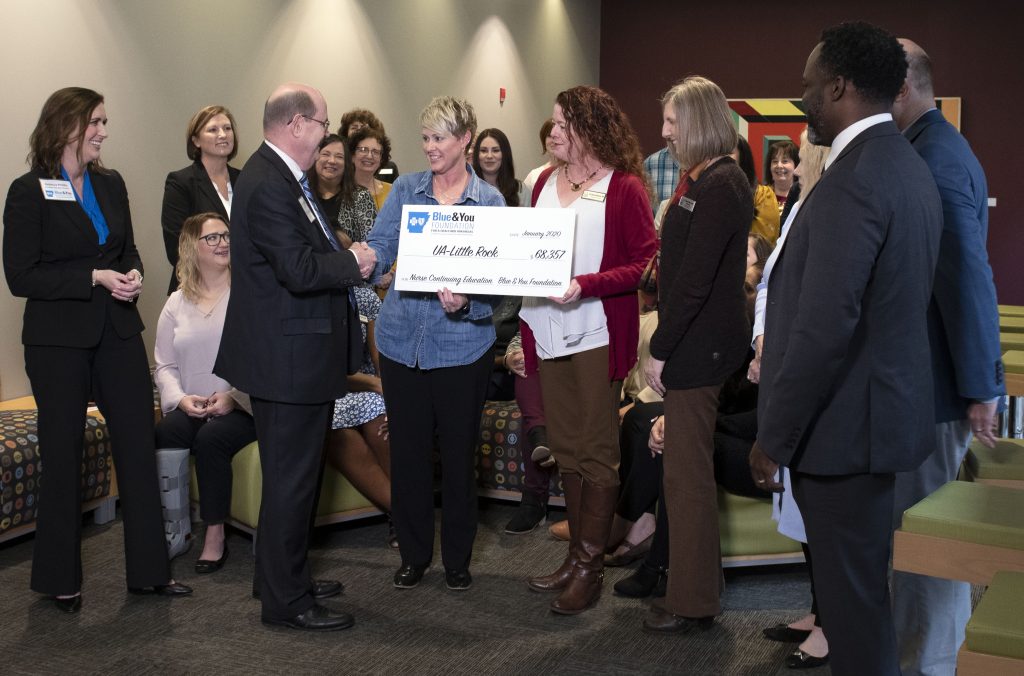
(365, 257)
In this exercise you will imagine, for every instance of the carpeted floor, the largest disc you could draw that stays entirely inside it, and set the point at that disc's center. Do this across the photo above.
(497, 627)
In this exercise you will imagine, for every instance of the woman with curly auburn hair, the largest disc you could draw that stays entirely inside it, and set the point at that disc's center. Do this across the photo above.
(586, 339)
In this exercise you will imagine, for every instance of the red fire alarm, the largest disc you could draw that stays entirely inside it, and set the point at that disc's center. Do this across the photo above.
(501, 96)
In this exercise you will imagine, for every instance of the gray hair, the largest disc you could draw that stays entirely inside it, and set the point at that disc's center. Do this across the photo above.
(451, 115)
(703, 119)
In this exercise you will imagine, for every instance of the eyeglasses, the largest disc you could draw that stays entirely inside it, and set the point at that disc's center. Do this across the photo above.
(214, 239)
(326, 124)
(364, 150)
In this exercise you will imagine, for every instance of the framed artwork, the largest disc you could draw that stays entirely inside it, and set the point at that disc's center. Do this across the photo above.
(764, 121)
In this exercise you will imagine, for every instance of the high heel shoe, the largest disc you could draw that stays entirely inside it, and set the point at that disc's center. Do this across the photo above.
(207, 566)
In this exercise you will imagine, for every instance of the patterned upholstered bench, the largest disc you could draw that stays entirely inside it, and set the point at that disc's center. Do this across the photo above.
(995, 633)
(21, 469)
(748, 534)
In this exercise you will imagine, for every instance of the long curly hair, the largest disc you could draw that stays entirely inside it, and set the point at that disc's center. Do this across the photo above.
(66, 112)
(187, 269)
(598, 123)
(507, 183)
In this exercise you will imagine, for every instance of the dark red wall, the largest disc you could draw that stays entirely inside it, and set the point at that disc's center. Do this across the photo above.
(758, 50)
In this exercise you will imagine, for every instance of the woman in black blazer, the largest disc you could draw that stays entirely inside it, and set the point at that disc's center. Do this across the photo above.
(206, 184)
(69, 249)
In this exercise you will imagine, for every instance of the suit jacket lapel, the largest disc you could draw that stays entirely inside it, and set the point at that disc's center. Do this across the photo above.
(278, 164)
(205, 185)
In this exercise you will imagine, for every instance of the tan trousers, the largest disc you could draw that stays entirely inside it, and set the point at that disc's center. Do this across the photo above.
(695, 558)
(582, 411)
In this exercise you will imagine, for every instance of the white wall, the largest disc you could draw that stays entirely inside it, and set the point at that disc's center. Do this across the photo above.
(157, 61)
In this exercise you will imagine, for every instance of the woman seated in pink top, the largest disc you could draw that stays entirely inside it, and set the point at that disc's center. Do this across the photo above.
(202, 413)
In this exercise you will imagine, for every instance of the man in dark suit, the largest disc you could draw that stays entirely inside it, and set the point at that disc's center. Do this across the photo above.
(287, 341)
(845, 397)
(931, 614)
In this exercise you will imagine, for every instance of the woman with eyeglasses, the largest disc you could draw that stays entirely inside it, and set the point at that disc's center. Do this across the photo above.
(202, 414)
(371, 148)
(347, 205)
(69, 249)
(204, 185)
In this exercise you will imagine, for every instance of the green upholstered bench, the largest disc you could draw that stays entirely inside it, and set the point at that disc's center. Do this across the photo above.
(963, 531)
(1011, 324)
(1011, 310)
(999, 466)
(1011, 341)
(748, 536)
(995, 633)
(339, 500)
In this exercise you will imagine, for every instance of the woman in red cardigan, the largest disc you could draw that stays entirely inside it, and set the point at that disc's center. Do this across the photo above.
(586, 339)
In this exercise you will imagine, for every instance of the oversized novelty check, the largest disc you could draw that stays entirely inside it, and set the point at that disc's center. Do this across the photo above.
(503, 251)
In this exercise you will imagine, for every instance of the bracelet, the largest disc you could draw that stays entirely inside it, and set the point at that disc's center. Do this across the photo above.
(504, 362)
(94, 271)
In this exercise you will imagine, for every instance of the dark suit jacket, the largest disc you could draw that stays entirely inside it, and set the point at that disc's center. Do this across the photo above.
(846, 383)
(963, 320)
(187, 192)
(290, 334)
(50, 251)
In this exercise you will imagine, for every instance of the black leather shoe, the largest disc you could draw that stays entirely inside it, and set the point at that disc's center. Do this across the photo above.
(172, 589)
(783, 633)
(316, 618)
(72, 604)
(408, 576)
(325, 589)
(642, 582)
(802, 660)
(457, 580)
(321, 589)
(662, 622)
(207, 566)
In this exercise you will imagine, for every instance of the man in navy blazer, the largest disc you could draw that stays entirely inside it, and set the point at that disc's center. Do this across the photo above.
(963, 328)
(845, 399)
(288, 342)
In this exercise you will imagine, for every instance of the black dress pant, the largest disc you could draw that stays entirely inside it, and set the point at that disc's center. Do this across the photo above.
(642, 482)
(214, 442)
(848, 519)
(291, 440)
(420, 403)
(115, 373)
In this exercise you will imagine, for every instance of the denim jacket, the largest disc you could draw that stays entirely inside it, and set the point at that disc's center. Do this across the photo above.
(412, 328)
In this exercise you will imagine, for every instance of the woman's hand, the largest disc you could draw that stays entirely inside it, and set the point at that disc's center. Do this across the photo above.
(194, 406)
(754, 370)
(124, 287)
(385, 280)
(515, 361)
(652, 373)
(219, 403)
(656, 441)
(452, 302)
(571, 295)
(383, 431)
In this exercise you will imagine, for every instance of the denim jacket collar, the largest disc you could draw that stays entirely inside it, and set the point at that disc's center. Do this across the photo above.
(471, 193)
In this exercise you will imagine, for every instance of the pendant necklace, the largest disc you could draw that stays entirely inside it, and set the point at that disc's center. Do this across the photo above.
(576, 186)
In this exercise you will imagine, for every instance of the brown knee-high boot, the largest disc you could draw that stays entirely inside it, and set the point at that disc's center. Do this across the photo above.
(584, 588)
(572, 484)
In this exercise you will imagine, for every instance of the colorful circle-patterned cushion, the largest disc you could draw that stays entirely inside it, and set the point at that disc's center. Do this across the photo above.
(500, 450)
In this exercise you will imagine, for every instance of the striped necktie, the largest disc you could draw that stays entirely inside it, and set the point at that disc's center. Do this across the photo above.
(304, 182)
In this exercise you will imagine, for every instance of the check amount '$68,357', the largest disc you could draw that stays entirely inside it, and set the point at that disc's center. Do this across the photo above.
(548, 254)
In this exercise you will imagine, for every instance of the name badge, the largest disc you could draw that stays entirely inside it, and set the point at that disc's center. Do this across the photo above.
(687, 203)
(305, 207)
(593, 195)
(387, 171)
(57, 190)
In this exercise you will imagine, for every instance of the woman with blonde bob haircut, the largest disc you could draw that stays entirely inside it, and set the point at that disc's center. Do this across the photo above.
(701, 339)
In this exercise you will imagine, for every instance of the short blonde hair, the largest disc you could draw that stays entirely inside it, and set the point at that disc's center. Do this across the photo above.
(703, 120)
(812, 163)
(450, 115)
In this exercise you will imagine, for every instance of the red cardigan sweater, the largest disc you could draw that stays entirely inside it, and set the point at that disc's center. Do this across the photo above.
(629, 243)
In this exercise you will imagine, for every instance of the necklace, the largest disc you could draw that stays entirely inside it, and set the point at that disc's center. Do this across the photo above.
(445, 198)
(576, 186)
(207, 313)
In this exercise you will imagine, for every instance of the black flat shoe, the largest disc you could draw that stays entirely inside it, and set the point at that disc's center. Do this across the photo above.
(783, 633)
(642, 583)
(321, 589)
(802, 660)
(317, 618)
(408, 576)
(663, 622)
(172, 589)
(72, 604)
(207, 566)
(457, 580)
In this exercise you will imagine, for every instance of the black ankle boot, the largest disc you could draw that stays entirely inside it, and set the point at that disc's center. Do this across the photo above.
(644, 581)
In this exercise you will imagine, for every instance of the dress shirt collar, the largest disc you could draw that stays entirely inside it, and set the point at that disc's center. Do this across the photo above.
(845, 136)
(293, 166)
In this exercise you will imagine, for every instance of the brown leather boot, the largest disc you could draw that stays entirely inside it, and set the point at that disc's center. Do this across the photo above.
(572, 484)
(584, 588)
